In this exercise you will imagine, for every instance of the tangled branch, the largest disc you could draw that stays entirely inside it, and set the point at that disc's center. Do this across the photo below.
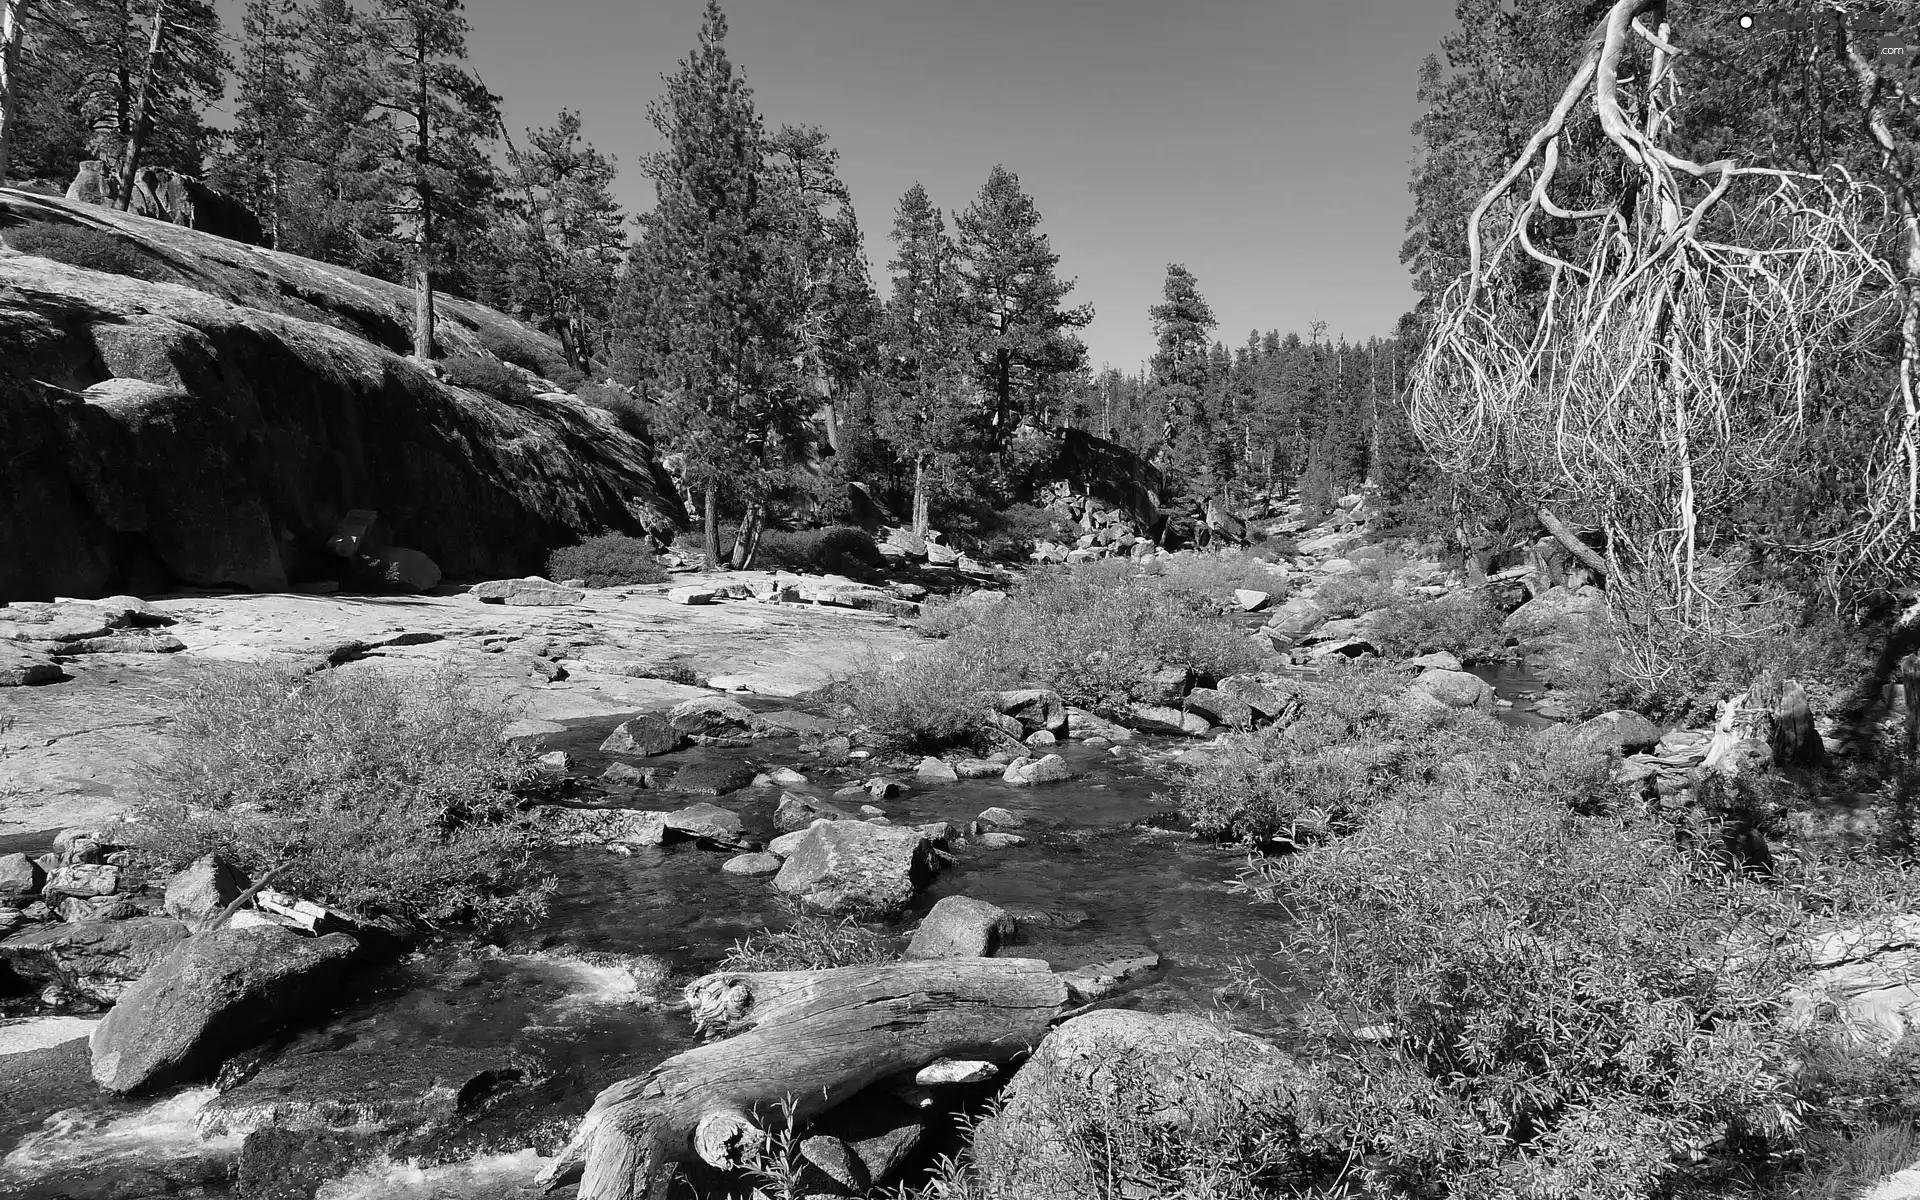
(1665, 368)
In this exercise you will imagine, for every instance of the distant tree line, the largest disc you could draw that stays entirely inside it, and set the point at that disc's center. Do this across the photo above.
(737, 323)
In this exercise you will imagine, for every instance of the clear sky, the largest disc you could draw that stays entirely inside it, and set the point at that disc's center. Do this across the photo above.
(1263, 143)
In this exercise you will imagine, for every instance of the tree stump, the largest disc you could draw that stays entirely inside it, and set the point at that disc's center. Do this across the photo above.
(802, 1041)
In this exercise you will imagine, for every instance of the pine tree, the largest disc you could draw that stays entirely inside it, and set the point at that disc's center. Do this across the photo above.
(700, 314)
(1182, 323)
(928, 417)
(1024, 345)
(565, 248)
(257, 166)
(139, 73)
(427, 147)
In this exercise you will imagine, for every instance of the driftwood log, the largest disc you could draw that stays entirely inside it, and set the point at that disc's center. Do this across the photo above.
(808, 1040)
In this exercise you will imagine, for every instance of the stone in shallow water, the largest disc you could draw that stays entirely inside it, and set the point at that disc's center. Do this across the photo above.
(1000, 841)
(854, 866)
(936, 771)
(713, 779)
(644, 736)
(708, 821)
(961, 927)
(1026, 773)
(751, 864)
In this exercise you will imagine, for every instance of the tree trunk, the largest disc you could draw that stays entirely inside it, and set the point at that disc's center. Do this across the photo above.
(423, 192)
(1579, 549)
(423, 302)
(811, 1038)
(142, 111)
(712, 524)
(920, 496)
(13, 21)
(747, 539)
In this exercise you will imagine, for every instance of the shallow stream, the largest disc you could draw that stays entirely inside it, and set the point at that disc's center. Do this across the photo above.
(497, 1049)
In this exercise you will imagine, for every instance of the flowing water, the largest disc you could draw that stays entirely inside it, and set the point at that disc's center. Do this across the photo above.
(494, 1050)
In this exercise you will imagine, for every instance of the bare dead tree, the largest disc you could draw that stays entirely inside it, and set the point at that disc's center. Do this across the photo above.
(1664, 374)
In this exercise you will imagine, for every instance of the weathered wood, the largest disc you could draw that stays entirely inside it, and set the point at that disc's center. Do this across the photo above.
(1566, 537)
(802, 1041)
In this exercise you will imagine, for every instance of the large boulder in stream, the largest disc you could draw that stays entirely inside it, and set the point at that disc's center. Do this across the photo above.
(1454, 689)
(851, 866)
(214, 994)
(1177, 1071)
(95, 961)
(211, 423)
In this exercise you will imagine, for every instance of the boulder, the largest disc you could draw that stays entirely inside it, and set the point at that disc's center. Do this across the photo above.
(852, 866)
(1022, 772)
(1558, 612)
(1161, 718)
(529, 593)
(752, 864)
(961, 927)
(1220, 708)
(797, 810)
(1000, 841)
(203, 889)
(23, 666)
(1621, 731)
(1172, 1071)
(82, 879)
(1005, 818)
(936, 771)
(1035, 708)
(711, 716)
(214, 994)
(1439, 660)
(713, 778)
(1251, 600)
(1082, 724)
(95, 960)
(20, 877)
(1297, 617)
(1456, 689)
(979, 768)
(708, 821)
(644, 736)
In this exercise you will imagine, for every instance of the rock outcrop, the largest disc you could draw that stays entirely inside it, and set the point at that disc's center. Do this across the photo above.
(213, 430)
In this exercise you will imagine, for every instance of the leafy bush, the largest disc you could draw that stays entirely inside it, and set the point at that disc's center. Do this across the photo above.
(1553, 1004)
(82, 246)
(810, 943)
(1220, 575)
(924, 702)
(1094, 637)
(487, 375)
(1464, 624)
(1351, 595)
(609, 560)
(369, 792)
(1354, 743)
(521, 352)
(1008, 534)
(629, 411)
(836, 550)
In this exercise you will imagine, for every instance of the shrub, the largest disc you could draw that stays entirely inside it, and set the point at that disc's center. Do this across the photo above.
(521, 352)
(487, 375)
(609, 560)
(1008, 534)
(1465, 624)
(1095, 637)
(836, 550)
(1555, 1004)
(924, 702)
(83, 246)
(1355, 742)
(629, 411)
(810, 943)
(1351, 595)
(369, 792)
(1219, 575)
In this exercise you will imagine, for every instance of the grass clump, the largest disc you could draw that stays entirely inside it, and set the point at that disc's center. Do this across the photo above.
(609, 560)
(373, 793)
(628, 410)
(1465, 624)
(82, 246)
(1217, 576)
(810, 943)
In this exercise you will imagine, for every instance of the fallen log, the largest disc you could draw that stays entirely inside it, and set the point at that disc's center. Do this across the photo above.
(802, 1042)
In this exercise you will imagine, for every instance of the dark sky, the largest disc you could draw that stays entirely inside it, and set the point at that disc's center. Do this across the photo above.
(1263, 143)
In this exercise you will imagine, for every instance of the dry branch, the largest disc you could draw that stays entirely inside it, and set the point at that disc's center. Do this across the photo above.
(802, 1041)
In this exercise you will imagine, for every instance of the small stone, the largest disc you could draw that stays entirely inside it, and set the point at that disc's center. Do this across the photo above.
(1005, 818)
(1251, 600)
(881, 788)
(786, 777)
(936, 771)
(872, 810)
(1040, 738)
(1001, 841)
(644, 736)
(713, 778)
(556, 762)
(798, 810)
(752, 864)
(692, 594)
(640, 777)
(203, 889)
